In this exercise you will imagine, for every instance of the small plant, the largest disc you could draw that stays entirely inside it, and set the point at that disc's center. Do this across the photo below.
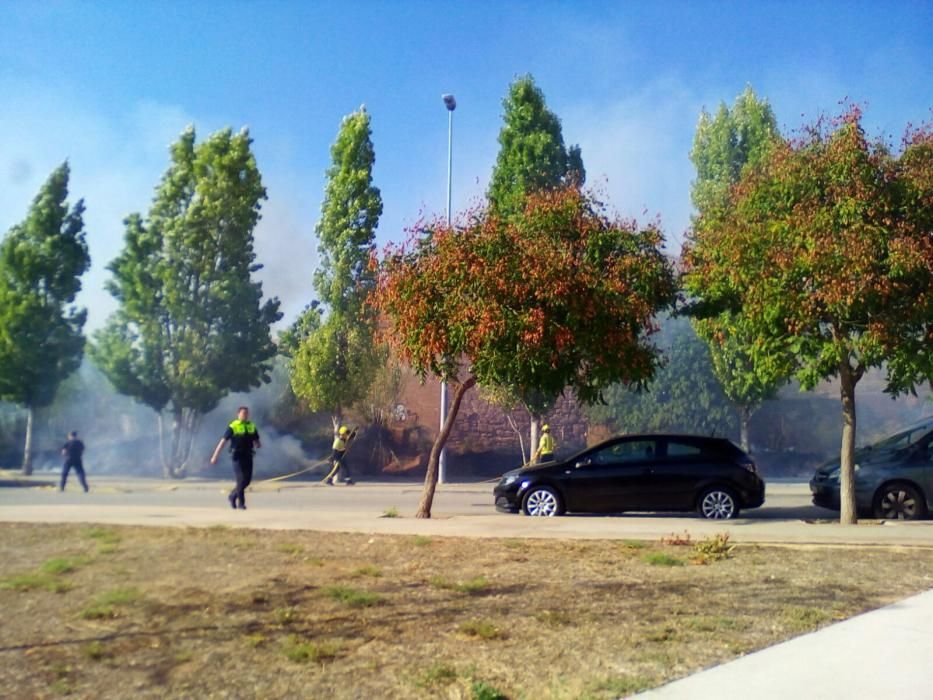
(420, 541)
(677, 540)
(95, 651)
(368, 570)
(514, 544)
(353, 597)
(473, 586)
(285, 616)
(57, 567)
(391, 512)
(480, 690)
(713, 548)
(436, 675)
(634, 544)
(553, 618)
(106, 604)
(619, 686)
(480, 629)
(804, 619)
(290, 548)
(662, 559)
(255, 640)
(299, 651)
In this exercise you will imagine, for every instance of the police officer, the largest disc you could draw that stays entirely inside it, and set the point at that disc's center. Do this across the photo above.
(546, 446)
(342, 440)
(244, 439)
(72, 451)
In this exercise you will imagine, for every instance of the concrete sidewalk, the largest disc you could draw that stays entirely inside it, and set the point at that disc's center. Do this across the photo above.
(886, 653)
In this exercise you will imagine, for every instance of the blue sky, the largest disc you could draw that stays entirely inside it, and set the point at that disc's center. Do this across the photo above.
(109, 85)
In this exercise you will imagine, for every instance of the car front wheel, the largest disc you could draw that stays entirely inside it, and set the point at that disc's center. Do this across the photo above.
(718, 504)
(899, 502)
(542, 501)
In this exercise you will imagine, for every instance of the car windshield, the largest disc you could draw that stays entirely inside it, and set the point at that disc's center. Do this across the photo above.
(905, 438)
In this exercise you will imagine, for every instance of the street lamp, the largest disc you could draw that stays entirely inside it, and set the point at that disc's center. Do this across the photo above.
(451, 104)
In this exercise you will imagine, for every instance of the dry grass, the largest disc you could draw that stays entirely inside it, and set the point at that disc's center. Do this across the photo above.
(181, 613)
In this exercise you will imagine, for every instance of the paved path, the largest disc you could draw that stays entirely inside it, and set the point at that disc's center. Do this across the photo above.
(459, 510)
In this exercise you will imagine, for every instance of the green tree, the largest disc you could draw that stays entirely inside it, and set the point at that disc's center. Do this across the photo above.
(576, 314)
(684, 395)
(42, 260)
(532, 158)
(826, 251)
(723, 146)
(191, 324)
(334, 358)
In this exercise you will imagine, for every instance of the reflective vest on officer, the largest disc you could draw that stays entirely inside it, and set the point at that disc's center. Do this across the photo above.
(242, 427)
(547, 444)
(340, 444)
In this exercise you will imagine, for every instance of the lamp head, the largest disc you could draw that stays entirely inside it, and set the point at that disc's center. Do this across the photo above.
(450, 102)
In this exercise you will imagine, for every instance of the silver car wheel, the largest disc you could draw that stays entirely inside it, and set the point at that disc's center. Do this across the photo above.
(541, 502)
(718, 505)
(899, 503)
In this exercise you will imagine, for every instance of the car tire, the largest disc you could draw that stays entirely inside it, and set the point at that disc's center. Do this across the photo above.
(899, 501)
(542, 501)
(718, 503)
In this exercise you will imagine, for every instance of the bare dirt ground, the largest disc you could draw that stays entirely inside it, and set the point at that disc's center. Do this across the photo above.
(119, 612)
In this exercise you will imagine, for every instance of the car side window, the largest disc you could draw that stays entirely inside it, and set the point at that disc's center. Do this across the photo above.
(629, 451)
(682, 449)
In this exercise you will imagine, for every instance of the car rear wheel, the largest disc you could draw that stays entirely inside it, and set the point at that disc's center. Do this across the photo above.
(899, 502)
(542, 501)
(718, 504)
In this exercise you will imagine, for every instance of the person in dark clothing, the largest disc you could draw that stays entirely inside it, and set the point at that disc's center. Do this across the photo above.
(72, 451)
(244, 439)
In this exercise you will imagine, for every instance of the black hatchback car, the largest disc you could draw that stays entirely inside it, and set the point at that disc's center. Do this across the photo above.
(638, 473)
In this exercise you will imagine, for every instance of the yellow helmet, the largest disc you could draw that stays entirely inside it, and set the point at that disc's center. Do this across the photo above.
(545, 428)
(343, 430)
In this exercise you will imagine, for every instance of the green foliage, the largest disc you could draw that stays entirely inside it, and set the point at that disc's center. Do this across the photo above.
(353, 597)
(684, 395)
(714, 548)
(334, 357)
(481, 690)
(191, 325)
(662, 559)
(480, 629)
(825, 247)
(532, 155)
(723, 147)
(42, 260)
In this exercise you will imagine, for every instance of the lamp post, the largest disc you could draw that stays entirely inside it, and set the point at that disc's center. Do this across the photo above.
(451, 104)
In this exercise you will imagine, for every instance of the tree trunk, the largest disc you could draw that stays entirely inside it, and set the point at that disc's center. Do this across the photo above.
(521, 441)
(430, 478)
(848, 379)
(185, 425)
(27, 447)
(745, 415)
(535, 430)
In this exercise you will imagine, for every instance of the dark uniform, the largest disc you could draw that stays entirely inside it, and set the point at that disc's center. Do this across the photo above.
(243, 437)
(73, 450)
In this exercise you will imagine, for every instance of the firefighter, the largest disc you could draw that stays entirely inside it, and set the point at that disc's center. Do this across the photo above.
(244, 439)
(546, 446)
(342, 439)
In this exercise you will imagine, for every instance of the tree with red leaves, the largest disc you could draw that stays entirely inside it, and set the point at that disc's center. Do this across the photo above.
(826, 250)
(561, 297)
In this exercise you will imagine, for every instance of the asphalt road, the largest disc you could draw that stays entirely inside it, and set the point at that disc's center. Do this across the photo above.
(458, 510)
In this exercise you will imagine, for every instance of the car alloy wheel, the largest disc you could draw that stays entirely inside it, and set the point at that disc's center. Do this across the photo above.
(542, 501)
(899, 502)
(718, 504)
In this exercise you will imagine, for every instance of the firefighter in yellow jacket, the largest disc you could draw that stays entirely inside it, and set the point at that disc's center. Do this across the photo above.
(342, 439)
(546, 446)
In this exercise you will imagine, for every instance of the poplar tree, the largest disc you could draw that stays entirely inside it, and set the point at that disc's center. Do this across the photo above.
(723, 146)
(334, 358)
(191, 325)
(532, 159)
(42, 260)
